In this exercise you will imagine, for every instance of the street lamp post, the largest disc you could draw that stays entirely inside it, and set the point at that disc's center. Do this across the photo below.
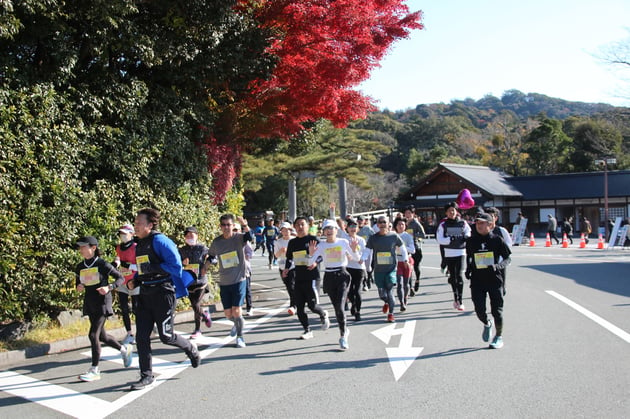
(605, 162)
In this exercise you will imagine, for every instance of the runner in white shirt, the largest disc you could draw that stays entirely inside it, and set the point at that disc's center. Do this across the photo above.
(334, 254)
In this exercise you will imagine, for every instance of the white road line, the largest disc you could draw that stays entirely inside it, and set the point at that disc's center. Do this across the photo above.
(52, 396)
(604, 323)
(80, 405)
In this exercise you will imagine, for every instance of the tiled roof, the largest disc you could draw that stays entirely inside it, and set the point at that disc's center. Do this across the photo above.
(492, 182)
(572, 185)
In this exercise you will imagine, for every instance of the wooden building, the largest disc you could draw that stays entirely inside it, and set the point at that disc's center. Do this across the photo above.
(562, 195)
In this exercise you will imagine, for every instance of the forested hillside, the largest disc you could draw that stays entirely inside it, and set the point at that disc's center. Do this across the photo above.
(521, 134)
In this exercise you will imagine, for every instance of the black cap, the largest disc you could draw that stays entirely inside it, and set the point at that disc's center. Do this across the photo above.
(190, 229)
(482, 216)
(351, 223)
(87, 240)
(361, 218)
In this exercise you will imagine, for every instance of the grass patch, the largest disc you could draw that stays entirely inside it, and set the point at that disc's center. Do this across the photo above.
(41, 335)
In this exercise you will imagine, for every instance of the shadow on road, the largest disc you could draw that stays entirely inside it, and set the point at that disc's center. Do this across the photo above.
(614, 279)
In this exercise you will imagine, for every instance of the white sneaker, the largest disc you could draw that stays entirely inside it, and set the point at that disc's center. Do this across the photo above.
(129, 340)
(249, 313)
(240, 342)
(126, 352)
(325, 321)
(307, 336)
(292, 310)
(92, 374)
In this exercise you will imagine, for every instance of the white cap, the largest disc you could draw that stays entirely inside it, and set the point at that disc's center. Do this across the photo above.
(285, 225)
(329, 223)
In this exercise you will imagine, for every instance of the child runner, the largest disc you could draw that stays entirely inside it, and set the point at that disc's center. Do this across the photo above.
(194, 257)
(92, 276)
(280, 252)
(125, 262)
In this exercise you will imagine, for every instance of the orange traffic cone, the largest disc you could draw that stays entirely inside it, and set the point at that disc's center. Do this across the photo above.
(600, 242)
(532, 242)
(582, 241)
(548, 241)
(565, 241)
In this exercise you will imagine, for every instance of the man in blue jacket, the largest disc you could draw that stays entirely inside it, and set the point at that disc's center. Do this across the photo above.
(159, 273)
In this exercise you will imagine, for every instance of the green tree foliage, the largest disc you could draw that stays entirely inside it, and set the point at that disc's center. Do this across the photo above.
(548, 147)
(592, 139)
(324, 152)
(101, 109)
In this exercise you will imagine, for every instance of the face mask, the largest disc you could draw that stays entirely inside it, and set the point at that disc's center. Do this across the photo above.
(191, 242)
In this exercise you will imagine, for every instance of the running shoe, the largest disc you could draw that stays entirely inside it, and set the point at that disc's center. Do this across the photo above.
(292, 310)
(325, 321)
(365, 288)
(385, 308)
(126, 352)
(390, 318)
(343, 341)
(416, 286)
(249, 313)
(461, 307)
(412, 292)
(240, 342)
(196, 335)
(91, 375)
(497, 342)
(306, 336)
(207, 319)
(194, 356)
(486, 331)
(455, 305)
(129, 340)
(144, 382)
(357, 317)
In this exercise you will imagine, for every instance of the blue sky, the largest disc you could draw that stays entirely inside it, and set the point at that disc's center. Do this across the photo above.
(469, 49)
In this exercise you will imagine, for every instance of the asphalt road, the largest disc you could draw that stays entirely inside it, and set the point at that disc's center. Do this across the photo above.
(566, 354)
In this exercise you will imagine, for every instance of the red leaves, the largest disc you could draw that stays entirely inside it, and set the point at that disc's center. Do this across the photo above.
(325, 48)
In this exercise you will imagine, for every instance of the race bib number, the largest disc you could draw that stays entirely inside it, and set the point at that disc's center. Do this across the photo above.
(300, 258)
(194, 267)
(333, 254)
(271, 233)
(383, 258)
(409, 231)
(143, 259)
(229, 259)
(89, 276)
(484, 259)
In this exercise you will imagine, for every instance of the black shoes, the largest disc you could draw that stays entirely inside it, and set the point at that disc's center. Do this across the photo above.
(193, 355)
(145, 381)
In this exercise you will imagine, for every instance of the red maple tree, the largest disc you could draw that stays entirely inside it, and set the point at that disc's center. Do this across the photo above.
(325, 48)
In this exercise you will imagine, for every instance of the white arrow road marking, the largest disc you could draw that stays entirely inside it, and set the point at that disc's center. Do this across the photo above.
(400, 358)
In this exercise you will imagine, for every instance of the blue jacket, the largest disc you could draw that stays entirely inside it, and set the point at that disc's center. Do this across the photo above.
(169, 263)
